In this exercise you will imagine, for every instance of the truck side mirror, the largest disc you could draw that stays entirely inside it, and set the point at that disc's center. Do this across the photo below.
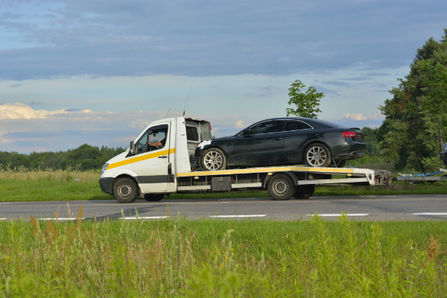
(133, 149)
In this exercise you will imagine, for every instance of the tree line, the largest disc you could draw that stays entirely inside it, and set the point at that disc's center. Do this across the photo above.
(85, 157)
(415, 126)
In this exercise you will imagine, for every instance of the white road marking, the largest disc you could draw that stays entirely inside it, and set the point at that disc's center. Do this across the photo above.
(143, 217)
(338, 214)
(430, 214)
(60, 218)
(238, 216)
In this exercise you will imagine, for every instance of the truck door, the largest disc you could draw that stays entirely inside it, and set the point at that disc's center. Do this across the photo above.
(153, 151)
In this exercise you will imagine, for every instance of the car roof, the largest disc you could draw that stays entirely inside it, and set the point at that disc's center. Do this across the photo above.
(316, 123)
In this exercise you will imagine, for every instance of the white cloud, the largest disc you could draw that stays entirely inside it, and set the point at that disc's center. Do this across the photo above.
(239, 124)
(356, 116)
(21, 111)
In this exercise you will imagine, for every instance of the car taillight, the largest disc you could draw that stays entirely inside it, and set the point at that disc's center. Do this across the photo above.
(348, 134)
(209, 123)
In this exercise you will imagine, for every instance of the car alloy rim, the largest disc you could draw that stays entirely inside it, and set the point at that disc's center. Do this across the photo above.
(213, 160)
(280, 187)
(316, 156)
(124, 190)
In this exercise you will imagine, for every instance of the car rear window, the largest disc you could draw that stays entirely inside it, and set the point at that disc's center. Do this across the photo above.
(296, 125)
(322, 124)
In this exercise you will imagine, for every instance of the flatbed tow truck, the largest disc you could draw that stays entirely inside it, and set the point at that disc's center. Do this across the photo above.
(167, 167)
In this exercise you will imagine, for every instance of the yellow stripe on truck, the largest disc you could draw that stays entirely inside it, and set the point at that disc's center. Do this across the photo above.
(268, 170)
(140, 158)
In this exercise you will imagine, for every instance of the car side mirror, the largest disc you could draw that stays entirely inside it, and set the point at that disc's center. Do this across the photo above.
(133, 149)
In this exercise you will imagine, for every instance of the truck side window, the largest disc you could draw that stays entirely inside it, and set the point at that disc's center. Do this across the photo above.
(192, 134)
(153, 139)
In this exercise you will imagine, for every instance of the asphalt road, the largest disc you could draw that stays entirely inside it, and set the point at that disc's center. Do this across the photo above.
(368, 208)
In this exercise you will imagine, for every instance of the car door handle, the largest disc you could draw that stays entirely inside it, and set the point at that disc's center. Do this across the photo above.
(278, 139)
(163, 156)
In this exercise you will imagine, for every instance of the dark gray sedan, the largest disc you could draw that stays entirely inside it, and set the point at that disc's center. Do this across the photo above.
(283, 141)
(444, 154)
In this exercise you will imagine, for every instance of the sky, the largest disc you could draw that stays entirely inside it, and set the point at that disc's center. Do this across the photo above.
(97, 72)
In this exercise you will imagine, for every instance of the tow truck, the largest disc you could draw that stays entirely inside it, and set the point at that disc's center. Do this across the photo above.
(161, 161)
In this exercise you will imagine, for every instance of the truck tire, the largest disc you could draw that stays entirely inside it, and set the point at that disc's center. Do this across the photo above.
(317, 155)
(304, 191)
(281, 187)
(153, 197)
(213, 159)
(125, 190)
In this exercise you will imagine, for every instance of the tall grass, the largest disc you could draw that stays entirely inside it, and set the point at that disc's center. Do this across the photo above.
(68, 175)
(222, 258)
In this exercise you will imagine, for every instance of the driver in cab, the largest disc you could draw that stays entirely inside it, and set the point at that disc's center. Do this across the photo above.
(156, 140)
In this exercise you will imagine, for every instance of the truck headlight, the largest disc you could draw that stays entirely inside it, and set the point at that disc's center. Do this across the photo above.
(104, 167)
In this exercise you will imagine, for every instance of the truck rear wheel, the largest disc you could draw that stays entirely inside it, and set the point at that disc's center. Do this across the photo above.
(304, 191)
(125, 190)
(281, 187)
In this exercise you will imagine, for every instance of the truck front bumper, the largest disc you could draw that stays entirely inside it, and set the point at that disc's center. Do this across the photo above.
(106, 185)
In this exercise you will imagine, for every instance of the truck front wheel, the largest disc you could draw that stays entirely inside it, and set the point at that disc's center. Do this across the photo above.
(281, 187)
(125, 190)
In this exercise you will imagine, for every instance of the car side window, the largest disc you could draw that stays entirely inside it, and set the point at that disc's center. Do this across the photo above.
(296, 125)
(266, 127)
(153, 139)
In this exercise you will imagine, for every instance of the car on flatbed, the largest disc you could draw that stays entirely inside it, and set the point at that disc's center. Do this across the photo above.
(283, 141)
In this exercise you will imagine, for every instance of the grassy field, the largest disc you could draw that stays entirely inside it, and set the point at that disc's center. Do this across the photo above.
(22, 185)
(223, 259)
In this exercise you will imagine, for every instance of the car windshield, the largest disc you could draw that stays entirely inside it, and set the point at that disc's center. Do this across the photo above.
(445, 147)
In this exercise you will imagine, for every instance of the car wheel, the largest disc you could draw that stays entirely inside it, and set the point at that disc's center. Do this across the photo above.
(304, 191)
(317, 155)
(213, 159)
(125, 190)
(153, 197)
(281, 187)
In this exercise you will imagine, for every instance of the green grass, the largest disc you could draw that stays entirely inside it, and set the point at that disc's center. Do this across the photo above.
(59, 185)
(223, 258)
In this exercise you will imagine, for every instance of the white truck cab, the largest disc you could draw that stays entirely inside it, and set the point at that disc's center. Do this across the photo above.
(148, 166)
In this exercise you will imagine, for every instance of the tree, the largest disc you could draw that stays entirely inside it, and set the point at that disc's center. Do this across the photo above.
(306, 103)
(415, 123)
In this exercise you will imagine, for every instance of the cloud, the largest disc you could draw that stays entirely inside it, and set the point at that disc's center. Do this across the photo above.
(22, 111)
(60, 37)
(356, 116)
(239, 124)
